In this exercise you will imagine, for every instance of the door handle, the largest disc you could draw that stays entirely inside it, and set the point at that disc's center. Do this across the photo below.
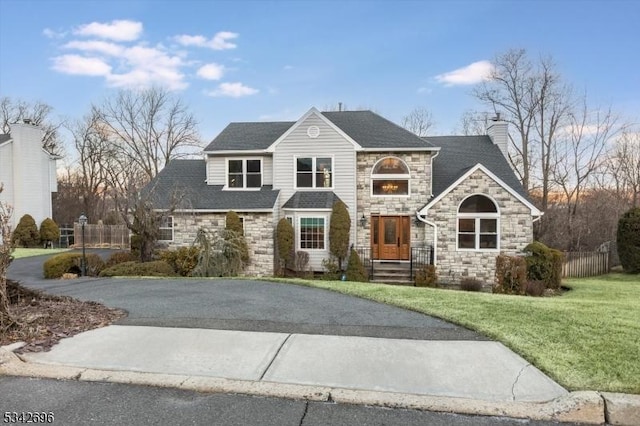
(398, 241)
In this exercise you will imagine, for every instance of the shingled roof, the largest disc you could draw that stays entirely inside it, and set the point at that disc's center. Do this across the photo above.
(312, 200)
(4, 137)
(186, 178)
(248, 136)
(458, 154)
(367, 128)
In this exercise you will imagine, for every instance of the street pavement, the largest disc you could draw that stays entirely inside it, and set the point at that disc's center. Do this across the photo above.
(282, 334)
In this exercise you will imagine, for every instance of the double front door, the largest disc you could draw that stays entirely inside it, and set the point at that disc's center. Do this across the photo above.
(390, 237)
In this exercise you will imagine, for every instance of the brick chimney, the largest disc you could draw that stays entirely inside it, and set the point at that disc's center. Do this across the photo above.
(498, 131)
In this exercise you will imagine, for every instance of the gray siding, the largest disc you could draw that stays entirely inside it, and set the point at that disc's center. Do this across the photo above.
(330, 144)
(217, 167)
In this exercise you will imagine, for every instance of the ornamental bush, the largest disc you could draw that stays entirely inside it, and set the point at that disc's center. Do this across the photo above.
(236, 235)
(426, 276)
(511, 274)
(183, 259)
(285, 240)
(49, 231)
(71, 263)
(470, 284)
(339, 232)
(26, 233)
(544, 264)
(120, 257)
(628, 240)
(156, 268)
(355, 268)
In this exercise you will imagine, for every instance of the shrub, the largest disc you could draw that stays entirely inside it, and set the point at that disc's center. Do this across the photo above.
(120, 257)
(49, 231)
(470, 284)
(511, 274)
(156, 268)
(302, 261)
(339, 232)
(136, 244)
(220, 254)
(235, 235)
(544, 264)
(64, 263)
(628, 241)
(426, 276)
(26, 233)
(183, 260)
(355, 268)
(285, 240)
(331, 268)
(534, 288)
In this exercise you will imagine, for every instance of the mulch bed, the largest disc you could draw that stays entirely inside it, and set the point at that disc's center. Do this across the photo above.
(43, 319)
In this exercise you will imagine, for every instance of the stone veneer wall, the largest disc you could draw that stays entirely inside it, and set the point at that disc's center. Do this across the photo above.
(516, 231)
(258, 232)
(419, 164)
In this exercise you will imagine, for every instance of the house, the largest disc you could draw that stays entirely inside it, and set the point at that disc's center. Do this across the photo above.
(27, 171)
(453, 200)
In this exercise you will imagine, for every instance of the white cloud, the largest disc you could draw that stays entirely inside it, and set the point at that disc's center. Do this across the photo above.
(471, 74)
(80, 65)
(119, 30)
(49, 33)
(104, 47)
(211, 71)
(220, 41)
(232, 90)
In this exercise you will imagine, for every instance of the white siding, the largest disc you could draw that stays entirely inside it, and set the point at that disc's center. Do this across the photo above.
(217, 168)
(330, 144)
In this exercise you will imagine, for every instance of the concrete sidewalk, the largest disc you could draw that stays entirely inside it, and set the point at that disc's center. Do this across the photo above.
(463, 369)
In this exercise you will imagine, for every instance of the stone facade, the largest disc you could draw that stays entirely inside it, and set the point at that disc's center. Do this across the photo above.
(516, 231)
(258, 231)
(419, 164)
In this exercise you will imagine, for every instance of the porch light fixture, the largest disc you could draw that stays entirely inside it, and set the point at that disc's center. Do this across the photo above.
(83, 221)
(363, 221)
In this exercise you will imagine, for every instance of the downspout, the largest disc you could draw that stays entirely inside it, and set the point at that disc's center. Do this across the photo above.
(435, 236)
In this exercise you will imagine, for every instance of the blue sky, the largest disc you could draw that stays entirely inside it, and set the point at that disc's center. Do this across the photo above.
(252, 61)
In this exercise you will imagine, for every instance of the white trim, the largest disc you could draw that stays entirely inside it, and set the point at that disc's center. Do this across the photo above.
(172, 227)
(269, 210)
(326, 232)
(235, 152)
(398, 149)
(7, 142)
(313, 111)
(431, 173)
(287, 209)
(313, 173)
(478, 166)
(435, 236)
(478, 216)
(244, 187)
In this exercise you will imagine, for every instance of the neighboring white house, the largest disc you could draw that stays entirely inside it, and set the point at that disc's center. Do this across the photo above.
(453, 197)
(27, 172)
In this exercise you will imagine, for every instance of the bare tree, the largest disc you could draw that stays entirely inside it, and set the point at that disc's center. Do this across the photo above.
(6, 249)
(40, 114)
(149, 127)
(472, 123)
(578, 159)
(625, 161)
(418, 121)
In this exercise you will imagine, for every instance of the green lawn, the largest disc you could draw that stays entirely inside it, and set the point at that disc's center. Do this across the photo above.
(586, 339)
(28, 252)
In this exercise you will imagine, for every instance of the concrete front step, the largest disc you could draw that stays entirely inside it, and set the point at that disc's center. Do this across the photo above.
(391, 281)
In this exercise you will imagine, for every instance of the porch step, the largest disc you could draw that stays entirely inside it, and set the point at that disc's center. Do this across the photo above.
(392, 273)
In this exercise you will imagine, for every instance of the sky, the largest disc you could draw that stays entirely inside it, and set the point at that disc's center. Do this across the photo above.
(235, 61)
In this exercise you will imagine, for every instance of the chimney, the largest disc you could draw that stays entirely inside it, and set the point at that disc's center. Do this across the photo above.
(499, 133)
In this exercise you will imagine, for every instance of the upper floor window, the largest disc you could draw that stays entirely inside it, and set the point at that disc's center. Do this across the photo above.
(314, 172)
(478, 224)
(390, 176)
(244, 173)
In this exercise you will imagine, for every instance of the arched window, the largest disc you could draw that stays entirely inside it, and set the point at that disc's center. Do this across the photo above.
(390, 176)
(478, 224)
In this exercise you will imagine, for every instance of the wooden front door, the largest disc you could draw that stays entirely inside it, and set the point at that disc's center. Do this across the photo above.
(390, 237)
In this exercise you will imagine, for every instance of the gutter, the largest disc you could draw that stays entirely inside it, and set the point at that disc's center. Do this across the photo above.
(435, 236)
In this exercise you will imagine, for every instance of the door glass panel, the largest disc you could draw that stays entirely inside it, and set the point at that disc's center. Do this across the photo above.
(390, 234)
(374, 224)
(406, 230)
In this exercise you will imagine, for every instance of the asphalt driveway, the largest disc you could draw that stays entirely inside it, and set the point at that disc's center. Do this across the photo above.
(247, 305)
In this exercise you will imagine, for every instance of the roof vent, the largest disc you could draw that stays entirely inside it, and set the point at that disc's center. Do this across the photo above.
(313, 132)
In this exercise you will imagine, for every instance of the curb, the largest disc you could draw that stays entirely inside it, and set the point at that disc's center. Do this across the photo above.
(588, 407)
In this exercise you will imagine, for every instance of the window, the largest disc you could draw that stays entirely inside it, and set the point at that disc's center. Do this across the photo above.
(389, 177)
(478, 224)
(244, 173)
(311, 233)
(314, 172)
(166, 229)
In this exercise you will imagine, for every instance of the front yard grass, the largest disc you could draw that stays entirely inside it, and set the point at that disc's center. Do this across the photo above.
(586, 339)
(28, 252)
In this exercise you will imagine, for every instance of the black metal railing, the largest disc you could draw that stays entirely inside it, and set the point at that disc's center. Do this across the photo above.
(420, 256)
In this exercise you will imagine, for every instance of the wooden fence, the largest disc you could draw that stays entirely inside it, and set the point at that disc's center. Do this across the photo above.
(585, 264)
(102, 236)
